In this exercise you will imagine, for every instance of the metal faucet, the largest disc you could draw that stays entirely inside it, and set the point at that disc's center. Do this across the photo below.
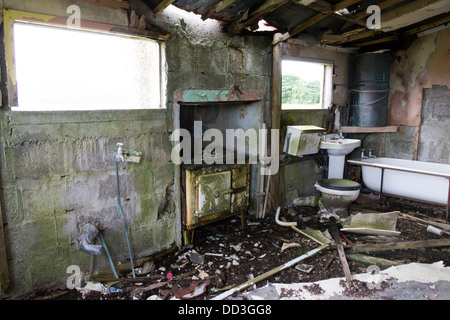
(370, 154)
(119, 155)
(341, 136)
(362, 154)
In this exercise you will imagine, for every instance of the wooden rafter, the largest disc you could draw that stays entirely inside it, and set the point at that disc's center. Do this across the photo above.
(109, 3)
(428, 26)
(218, 7)
(381, 40)
(267, 7)
(161, 6)
(412, 12)
(336, 39)
(316, 18)
(382, 5)
(327, 9)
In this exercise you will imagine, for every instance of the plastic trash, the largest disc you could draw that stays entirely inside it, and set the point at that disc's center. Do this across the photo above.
(435, 230)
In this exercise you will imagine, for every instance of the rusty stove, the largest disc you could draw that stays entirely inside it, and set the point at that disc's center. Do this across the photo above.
(212, 192)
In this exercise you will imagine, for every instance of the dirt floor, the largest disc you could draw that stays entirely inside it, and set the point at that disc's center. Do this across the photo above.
(223, 255)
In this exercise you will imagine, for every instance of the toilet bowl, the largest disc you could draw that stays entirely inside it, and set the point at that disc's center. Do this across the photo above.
(337, 194)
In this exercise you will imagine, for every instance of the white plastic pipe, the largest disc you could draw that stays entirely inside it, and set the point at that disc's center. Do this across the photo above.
(282, 223)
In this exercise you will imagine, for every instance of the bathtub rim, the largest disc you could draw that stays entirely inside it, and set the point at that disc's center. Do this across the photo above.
(361, 162)
(398, 168)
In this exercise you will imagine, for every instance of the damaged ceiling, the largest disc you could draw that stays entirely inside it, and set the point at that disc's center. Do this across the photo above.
(332, 22)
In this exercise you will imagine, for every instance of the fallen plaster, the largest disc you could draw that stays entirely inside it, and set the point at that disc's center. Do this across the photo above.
(416, 277)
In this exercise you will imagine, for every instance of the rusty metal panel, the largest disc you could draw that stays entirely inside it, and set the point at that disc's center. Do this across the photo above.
(213, 193)
(239, 201)
(239, 177)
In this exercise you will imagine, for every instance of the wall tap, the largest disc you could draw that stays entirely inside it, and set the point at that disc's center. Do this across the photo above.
(119, 155)
(362, 154)
(370, 154)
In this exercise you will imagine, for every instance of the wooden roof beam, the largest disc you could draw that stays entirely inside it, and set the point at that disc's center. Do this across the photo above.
(376, 41)
(327, 9)
(267, 7)
(335, 39)
(412, 12)
(217, 8)
(161, 6)
(314, 19)
(382, 5)
(109, 3)
(428, 26)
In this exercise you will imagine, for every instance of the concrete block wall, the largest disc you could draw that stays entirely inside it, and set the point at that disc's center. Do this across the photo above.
(434, 139)
(58, 173)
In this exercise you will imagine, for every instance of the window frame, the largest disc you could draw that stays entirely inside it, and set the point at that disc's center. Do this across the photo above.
(326, 90)
(12, 16)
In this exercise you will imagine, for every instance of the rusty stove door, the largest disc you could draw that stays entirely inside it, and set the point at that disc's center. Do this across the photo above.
(213, 193)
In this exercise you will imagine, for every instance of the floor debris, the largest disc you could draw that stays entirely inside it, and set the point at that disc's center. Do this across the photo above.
(380, 223)
(228, 262)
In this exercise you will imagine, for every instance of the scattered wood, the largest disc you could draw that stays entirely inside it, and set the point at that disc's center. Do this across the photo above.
(369, 261)
(268, 273)
(442, 226)
(288, 245)
(315, 235)
(337, 239)
(148, 288)
(109, 3)
(53, 295)
(400, 245)
(124, 268)
(380, 223)
(378, 239)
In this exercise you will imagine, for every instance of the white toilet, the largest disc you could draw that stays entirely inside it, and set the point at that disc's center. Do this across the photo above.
(337, 194)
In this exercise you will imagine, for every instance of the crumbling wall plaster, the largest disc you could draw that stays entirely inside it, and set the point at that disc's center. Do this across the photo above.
(424, 64)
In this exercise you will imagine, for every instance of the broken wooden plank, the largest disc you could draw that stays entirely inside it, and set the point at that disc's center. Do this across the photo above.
(337, 239)
(314, 235)
(377, 41)
(314, 19)
(356, 248)
(267, 7)
(369, 261)
(342, 38)
(427, 26)
(327, 8)
(348, 129)
(365, 230)
(411, 13)
(269, 273)
(109, 3)
(161, 6)
(439, 225)
(379, 223)
(217, 8)
(382, 5)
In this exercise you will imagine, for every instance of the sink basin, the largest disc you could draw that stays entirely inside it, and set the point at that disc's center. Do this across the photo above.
(340, 147)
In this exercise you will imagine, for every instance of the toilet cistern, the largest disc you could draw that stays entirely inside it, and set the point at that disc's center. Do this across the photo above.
(337, 149)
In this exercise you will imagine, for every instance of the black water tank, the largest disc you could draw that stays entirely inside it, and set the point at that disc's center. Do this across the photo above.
(369, 90)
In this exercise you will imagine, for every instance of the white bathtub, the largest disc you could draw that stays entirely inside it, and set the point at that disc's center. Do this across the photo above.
(417, 180)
